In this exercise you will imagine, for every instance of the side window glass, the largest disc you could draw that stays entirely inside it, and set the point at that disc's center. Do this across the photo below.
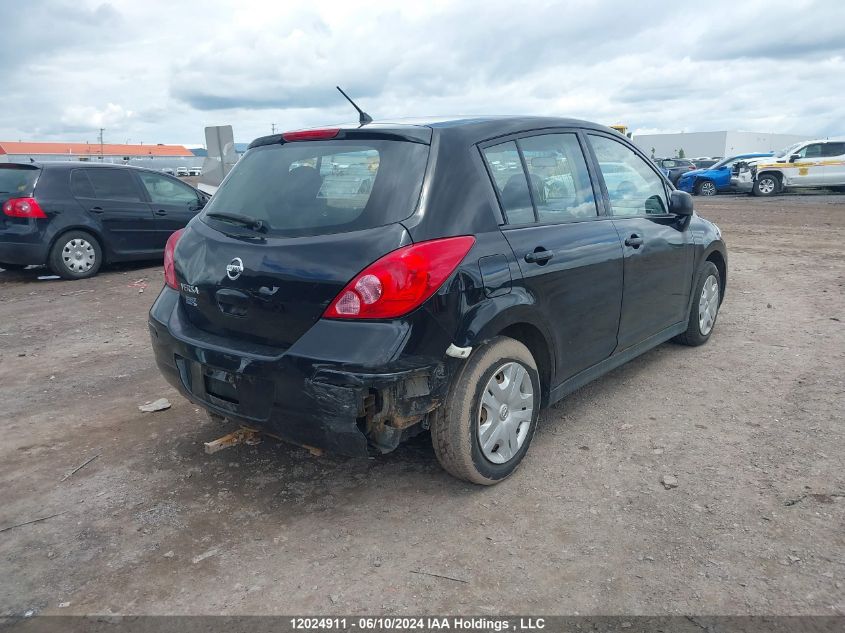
(509, 178)
(811, 151)
(833, 149)
(80, 185)
(559, 178)
(632, 186)
(113, 184)
(164, 190)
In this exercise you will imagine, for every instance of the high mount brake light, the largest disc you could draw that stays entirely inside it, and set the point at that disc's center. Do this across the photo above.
(401, 281)
(169, 262)
(23, 208)
(311, 135)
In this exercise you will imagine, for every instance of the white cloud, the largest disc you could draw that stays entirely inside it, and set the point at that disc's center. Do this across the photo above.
(87, 117)
(160, 72)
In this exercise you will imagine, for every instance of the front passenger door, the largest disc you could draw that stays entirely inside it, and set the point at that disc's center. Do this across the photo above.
(658, 250)
(807, 168)
(173, 204)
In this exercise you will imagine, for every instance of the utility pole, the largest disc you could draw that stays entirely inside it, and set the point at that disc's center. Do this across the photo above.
(272, 128)
(102, 129)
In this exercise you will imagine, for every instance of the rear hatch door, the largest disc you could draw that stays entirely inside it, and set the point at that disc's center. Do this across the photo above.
(290, 226)
(16, 181)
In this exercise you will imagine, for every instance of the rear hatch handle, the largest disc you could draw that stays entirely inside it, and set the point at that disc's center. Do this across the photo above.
(232, 302)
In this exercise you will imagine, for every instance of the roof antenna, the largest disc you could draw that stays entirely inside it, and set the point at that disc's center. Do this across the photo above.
(363, 117)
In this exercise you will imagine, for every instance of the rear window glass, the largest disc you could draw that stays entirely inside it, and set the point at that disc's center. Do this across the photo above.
(17, 182)
(320, 187)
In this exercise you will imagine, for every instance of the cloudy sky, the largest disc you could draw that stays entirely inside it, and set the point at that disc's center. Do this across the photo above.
(158, 72)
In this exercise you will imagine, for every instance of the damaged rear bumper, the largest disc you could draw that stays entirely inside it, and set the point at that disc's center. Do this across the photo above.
(348, 404)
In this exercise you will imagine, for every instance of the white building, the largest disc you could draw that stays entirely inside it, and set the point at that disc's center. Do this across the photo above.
(725, 143)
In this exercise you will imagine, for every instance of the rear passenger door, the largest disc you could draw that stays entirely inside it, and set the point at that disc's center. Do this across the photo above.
(658, 249)
(833, 155)
(173, 204)
(569, 254)
(113, 198)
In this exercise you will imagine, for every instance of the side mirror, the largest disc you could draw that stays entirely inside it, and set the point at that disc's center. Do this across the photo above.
(680, 203)
(794, 157)
(198, 204)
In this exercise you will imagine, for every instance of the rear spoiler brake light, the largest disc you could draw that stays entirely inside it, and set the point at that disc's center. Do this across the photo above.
(320, 134)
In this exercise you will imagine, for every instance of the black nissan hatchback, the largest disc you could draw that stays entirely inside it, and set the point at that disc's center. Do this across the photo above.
(75, 216)
(347, 288)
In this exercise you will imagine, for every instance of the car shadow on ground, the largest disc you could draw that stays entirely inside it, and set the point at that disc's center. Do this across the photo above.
(43, 273)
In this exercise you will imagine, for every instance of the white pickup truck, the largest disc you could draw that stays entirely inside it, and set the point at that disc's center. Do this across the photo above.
(805, 164)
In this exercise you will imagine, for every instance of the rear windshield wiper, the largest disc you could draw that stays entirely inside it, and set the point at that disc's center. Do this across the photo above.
(236, 218)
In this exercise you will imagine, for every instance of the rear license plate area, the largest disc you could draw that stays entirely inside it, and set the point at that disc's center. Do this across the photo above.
(240, 394)
(220, 384)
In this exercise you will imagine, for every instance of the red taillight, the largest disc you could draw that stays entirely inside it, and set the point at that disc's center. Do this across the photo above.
(23, 208)
(169, 263)
(400, 281)
(311, 135)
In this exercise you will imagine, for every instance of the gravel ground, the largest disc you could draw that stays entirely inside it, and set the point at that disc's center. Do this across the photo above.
(751, 425)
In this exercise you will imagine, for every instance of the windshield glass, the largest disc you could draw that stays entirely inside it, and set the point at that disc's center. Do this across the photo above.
(789, 150)
(18, 182)
(321, 187)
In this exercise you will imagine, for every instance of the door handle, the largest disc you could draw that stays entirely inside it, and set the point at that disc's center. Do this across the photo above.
(97, 209)
(634, 241)
(161, 212)
(539, 256)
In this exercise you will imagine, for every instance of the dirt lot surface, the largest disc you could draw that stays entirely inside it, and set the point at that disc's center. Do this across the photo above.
(750, 424)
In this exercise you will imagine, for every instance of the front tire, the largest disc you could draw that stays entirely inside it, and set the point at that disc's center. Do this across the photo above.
(766, 185)
(76, 255)
(705, 307)
(705, 188)
(484, 428)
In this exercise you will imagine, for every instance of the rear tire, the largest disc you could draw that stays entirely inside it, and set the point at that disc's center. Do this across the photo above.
(76, 255)
(488, 398)
(705, 188)
(705, 307)
(766, 185)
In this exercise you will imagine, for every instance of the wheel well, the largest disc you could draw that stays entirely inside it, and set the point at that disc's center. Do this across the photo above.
(775, 174)
(719, 261)
(534, 340)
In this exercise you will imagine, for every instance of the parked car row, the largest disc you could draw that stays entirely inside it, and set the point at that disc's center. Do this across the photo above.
(710, 181)
(75, 218)
(182, 172)
(808, 164)
(672, 168)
